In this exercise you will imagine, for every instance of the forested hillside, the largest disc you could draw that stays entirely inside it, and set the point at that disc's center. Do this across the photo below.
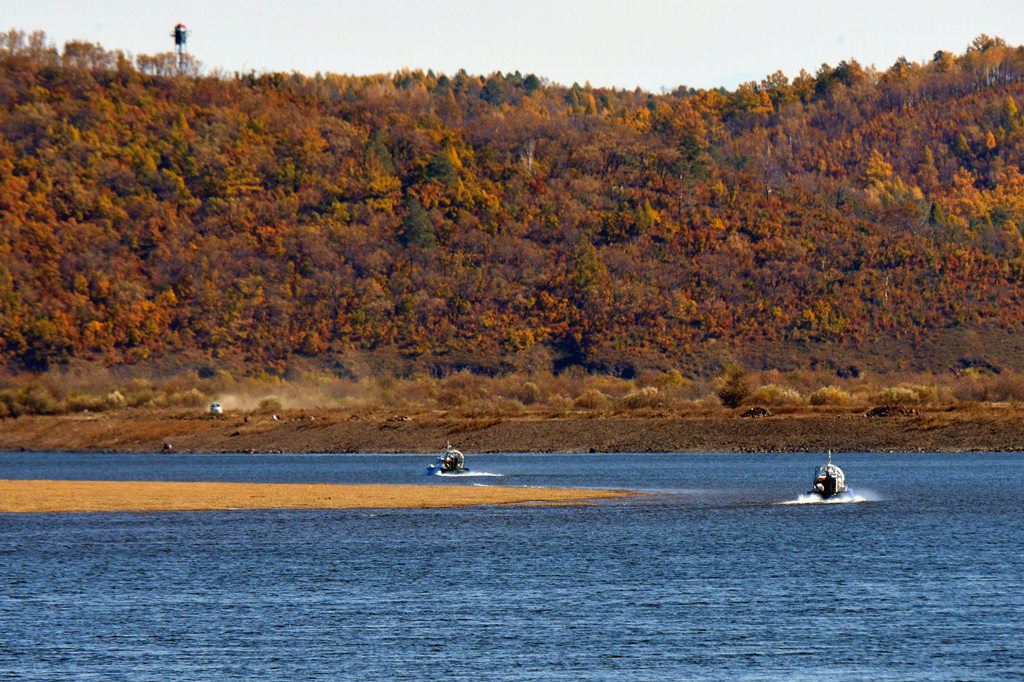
(854, 217)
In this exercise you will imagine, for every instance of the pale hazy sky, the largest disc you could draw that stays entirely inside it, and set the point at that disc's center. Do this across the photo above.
(653, 44)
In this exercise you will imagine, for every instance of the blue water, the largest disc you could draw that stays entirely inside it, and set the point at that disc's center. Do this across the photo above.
(711, 577)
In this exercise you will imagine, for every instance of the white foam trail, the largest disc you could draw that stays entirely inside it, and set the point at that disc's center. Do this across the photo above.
(866, 495)
(845, 498)
(464, 474)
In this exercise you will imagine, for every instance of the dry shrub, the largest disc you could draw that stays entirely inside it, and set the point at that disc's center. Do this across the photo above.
(465, 381)
(357, 396)
(460, 388)
(451, 396)
(80, 376)
(648, 396)
(264, 377)
(508, 385)
(11, 404)
(417, 393)
(613, 387)
(734, 388)
(913, 394)
(38, 399)
(115, 399)
(773, 395)
(591, 399)
(220, 382)
(491, 406)
(929, 394)
(181, 382)
(668, 380)
(190, 398)
(138, 397)
(675, 388)
(569, 381)
(558, 405)
(1006, 387)
(830, 395)
(896, 395)
(707, 404)
(529, 393)
(268, 405)
(646, 377)
(548, 386)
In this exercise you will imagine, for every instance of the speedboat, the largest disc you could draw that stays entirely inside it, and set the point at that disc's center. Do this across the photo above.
(829, 480)
(450, 462)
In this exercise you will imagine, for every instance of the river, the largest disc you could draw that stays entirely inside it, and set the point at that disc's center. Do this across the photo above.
(719, 573)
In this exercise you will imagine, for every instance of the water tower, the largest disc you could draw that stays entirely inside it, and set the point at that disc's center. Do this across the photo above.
(180, 36)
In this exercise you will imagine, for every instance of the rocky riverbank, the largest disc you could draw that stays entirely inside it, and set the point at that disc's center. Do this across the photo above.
(975, 429)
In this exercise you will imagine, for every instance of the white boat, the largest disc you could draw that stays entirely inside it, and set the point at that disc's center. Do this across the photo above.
(829, 480)
(450, 462)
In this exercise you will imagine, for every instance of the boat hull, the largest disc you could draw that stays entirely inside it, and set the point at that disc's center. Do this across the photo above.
(435, 471)
(442, 469)
(829, 496)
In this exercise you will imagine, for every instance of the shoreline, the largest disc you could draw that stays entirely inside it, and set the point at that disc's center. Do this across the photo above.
(49, 496)
(985, 428)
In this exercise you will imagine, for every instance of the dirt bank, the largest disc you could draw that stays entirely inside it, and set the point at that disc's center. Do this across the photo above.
(975, 429)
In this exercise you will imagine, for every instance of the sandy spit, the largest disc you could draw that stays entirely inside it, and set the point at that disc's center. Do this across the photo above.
(82, 496)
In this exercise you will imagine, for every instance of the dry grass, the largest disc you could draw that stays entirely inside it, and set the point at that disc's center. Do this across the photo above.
(465, 395)
(830, 395)
(773, 395)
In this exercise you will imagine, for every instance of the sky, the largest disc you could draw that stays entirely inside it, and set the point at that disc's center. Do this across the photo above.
(656, 45)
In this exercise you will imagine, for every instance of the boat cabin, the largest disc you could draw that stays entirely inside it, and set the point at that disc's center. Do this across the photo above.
(829, 480)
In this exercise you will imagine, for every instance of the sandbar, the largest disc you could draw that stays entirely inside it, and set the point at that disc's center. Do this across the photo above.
(95, 496)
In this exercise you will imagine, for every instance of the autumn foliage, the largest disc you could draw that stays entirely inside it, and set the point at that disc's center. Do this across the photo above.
(852, 217)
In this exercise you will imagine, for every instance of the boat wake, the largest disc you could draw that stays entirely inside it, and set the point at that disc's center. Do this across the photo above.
(843, 498)
(459, 474)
